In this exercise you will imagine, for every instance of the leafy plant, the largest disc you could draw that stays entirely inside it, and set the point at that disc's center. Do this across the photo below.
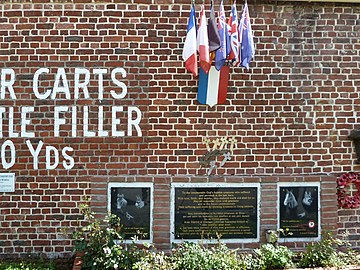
(248, 261)
(323, 253)
(274, 256)
(273, 236)
(193, 256)
(101, 242)
(154, 261)
(27, 265)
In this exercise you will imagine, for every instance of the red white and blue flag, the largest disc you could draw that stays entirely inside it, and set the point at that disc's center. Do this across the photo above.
(213, 86)
(203, 43)
(224, 50)
(233, 23)
(246, 38)
(189, 53)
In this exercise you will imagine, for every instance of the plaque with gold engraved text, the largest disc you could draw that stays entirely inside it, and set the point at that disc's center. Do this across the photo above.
(206, 212)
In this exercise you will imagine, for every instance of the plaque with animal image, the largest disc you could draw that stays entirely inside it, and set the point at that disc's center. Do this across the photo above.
(299, 211)
(132, 205)
(213, 212)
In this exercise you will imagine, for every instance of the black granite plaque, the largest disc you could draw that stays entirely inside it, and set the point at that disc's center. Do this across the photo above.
(132, 205)
(205, 212)
(299, 210)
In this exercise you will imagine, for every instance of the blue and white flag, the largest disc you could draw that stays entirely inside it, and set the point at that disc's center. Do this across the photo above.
(246, 38)
(224, 50)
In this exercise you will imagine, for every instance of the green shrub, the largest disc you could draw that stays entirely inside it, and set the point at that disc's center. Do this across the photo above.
(272, 256)
(39, 265)
(154, 261)
(250, 262)
(192, 256)
(324, 253)
(102, 243)
(103, 247)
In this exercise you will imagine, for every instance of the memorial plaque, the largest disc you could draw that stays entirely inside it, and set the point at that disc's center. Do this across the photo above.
(299, 210)
(205, 212)
(133, 206)
(7, 182)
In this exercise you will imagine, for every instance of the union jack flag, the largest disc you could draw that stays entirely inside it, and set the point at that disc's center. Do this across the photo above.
(233, 22)
(223, 52)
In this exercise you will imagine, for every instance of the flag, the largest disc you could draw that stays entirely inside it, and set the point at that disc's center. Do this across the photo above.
(213, 33)
(234, 36)
(203, 43)
(223, 51)
(213, 86)
(189, 53)
(246, 38)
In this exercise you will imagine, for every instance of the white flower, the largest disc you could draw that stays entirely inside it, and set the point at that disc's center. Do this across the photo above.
(116, 266)
(107, 250)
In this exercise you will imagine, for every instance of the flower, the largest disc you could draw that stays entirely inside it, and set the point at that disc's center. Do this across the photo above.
(343, 182)
(107, 250)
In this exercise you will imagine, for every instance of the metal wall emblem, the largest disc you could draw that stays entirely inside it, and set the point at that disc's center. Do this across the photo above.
(219, 151)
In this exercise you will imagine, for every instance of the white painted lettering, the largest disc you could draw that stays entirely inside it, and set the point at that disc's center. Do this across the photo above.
(7, 84)
(115, 122)
(68, 158)
(36, 84)
(8, 144)
(25, 121)
(12, 133)
(101, 132)
(73, 121)
(61, 84)
(100, 72)
(83, 85)
(35, 153)
(52, 149)
(87, 133)
(2, 110)
(134, 122)
(118, 83)
(57, 120)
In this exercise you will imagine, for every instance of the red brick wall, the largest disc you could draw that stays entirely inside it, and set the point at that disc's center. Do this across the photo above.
(349, 223)
(291, 112)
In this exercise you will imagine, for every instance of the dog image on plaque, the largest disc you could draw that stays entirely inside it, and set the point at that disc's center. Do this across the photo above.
(298, 205)
(299, 210)
(132, 206)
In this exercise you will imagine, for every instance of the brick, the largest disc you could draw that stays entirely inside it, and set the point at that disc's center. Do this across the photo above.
(291, 111)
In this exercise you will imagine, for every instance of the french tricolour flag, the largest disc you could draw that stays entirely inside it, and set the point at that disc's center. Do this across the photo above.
(203, 42)
(189, 53)
(213, 86)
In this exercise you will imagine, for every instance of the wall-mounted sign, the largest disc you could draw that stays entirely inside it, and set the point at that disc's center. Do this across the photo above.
(201, 211)
(299, 209)
(132, 202)
(124, 120)
(7, 182)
